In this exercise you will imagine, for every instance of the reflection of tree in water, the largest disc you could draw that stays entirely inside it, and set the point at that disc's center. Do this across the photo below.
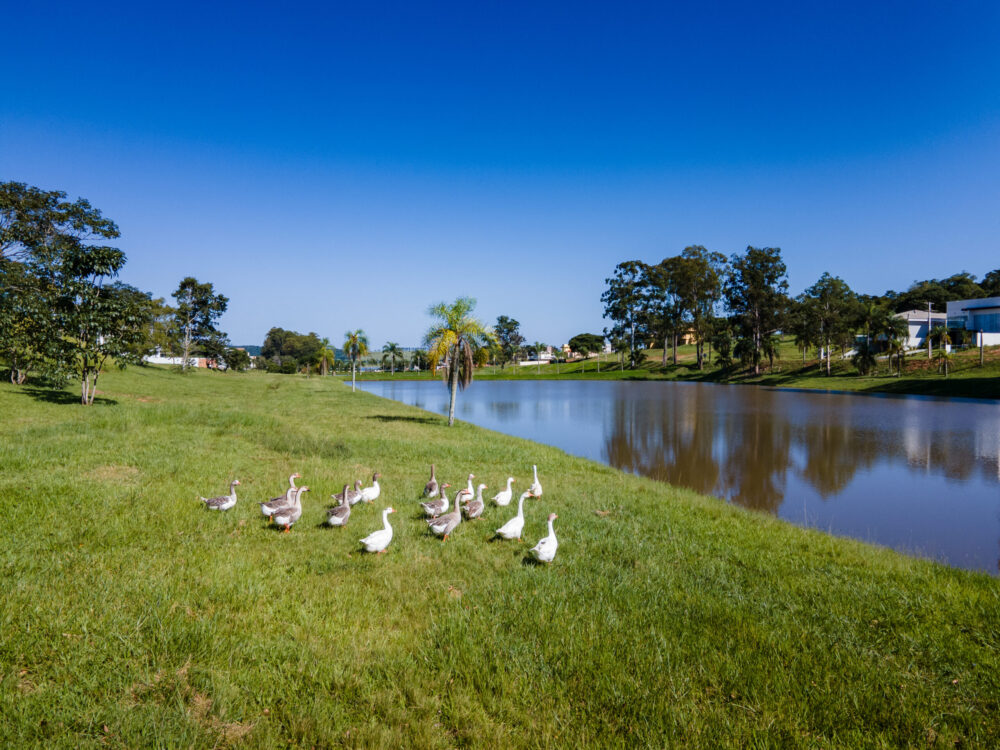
(758, 447)
(504, 411)
(834, 453)
(669, 439)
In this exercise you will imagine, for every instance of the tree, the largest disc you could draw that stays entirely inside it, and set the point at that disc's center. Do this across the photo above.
(830, 306)
(942, 355)
(755, 290)
(390, 352)
(626, 301)
(991, 283)
(664, 312)
(697, 280)
(537, 347)
(236, 359)
(28, 333)
(100, 322)
(198, 309)
(722, 342)
(452, 338)
(355, 346)
(509, 339)
(327, 357)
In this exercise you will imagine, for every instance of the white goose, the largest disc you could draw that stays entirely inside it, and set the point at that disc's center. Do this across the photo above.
(513, 528)
(465, 495)
(275, 504)
(545, 550)
(370, 494)
(435, 508)
(223, 502)
(536, 486)
(377, 541)
(474, 508)
(503, 497)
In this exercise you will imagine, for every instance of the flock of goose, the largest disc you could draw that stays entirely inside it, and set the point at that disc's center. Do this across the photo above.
(285, 510)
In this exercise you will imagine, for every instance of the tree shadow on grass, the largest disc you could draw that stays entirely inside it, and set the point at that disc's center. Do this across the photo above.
(416, 420)
(59, 396)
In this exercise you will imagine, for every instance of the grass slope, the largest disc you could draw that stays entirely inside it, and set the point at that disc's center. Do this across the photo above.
(132, 617)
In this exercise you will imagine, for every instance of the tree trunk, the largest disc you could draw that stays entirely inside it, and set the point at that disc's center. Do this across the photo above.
(675, 348)
(353, 378)
(828, 347)
(663, 360)
(453, 383)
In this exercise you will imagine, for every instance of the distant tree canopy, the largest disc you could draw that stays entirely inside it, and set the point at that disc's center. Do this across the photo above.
(940, 291)
(508, 339)
(289, 351)
(586, 343)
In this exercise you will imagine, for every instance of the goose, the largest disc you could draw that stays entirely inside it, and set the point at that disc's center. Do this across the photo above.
(223, 502)
(370, 494)
(503, 497)
(353, 496)
(439, 506)
(431, 488)
(377, 541)
(466, 494)
(288, 516)
(445, 524)
(474, 509)
(512, 529)
(536, 486)
(545, 550)
(277, 503)
(338, 514)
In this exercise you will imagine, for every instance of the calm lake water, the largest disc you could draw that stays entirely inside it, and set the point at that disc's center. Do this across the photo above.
(918, 474)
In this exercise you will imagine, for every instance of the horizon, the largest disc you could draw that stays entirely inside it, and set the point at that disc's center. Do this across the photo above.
(347, 168)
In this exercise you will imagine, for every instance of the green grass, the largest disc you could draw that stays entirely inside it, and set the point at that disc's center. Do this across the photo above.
(133, 617)
(920, 376)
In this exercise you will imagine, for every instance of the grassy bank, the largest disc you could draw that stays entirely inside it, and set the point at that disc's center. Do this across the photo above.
(132, 617)
(920, 375)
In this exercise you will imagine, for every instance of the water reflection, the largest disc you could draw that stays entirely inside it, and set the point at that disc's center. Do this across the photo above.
(917, 474)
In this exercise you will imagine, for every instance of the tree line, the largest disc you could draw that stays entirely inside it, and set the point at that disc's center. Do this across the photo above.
(64, 314)
(739, 306)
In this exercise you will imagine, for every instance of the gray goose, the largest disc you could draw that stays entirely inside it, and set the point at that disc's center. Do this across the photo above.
(339, 514)
(434, 508)
(288, 516)
(474, 508)
(431, 488)
(353, 496)
(223, 502)
(277, 503)
(445, 524)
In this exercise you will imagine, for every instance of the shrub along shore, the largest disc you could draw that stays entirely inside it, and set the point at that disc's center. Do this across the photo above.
(132, 616)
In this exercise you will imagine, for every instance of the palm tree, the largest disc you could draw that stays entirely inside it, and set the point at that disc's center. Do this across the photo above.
(390, 351)
(452, 339)
(897, 349)
(327, 357)
(356, 346)
(538, 355)
(943, 356)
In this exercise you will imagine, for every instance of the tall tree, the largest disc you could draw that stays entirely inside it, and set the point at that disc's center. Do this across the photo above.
(831, 309)
(509, 339)
(391, 352)
(626, 303)
(697, 279)
(198, 309)
(453, 337)
(327, 357)
(755, 292)
(355, 346)
(664, 312)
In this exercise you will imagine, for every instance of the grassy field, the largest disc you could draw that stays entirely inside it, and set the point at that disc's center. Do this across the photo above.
(920, 375)
(133, 617)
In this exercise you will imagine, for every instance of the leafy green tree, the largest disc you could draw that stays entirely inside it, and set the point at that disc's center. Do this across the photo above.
(722, 342)
(452, 338)
(198, 309)
(327, 357)
(664, 314)
(391, 352)
(697, 280)
(28, 331)
(509, 339)
(355, 346)
(991, 283)
(102, 322)
(755, 293)
(831, 307)
(942, 355)
(626, 303)
(236, 359)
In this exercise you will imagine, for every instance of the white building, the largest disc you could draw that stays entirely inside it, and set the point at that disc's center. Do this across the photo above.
(919, 322)
(979, 316)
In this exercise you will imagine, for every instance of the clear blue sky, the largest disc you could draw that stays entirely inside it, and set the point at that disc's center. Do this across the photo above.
(338, 166)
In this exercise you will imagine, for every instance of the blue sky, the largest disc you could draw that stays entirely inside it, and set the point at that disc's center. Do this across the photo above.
(337, 166)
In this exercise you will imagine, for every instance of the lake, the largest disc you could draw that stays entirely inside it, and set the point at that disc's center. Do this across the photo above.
(921, 475)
